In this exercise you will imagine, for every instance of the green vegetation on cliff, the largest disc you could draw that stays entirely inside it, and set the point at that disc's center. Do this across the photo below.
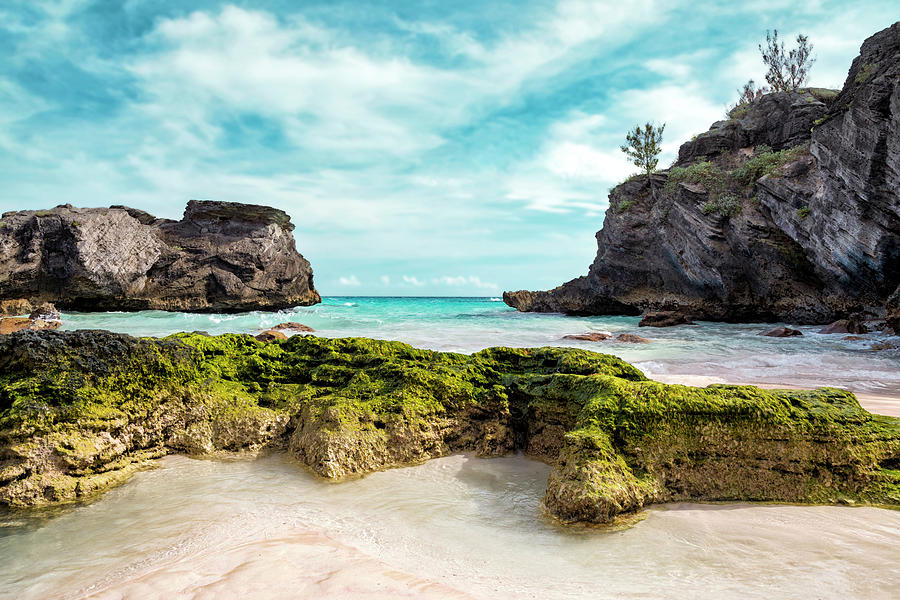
(81, 411)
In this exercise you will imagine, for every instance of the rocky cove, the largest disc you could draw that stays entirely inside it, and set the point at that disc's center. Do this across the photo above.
(196, 421)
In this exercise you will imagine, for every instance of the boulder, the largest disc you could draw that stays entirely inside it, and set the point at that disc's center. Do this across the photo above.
(631, 338)
(15, 307)
(292, 326)
(45, 312)
(270, 335)
(593, 336)
(782, 332)
(892, 311)
(664, 318)
(845, 326)
(220, 257)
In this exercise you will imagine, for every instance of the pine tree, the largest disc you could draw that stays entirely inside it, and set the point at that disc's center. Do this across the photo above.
(787, 70)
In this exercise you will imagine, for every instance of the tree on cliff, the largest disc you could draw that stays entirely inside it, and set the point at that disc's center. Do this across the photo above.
(643, 147)
(787, 70)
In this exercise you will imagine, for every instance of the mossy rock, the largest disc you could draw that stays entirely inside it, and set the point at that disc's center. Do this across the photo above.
(81, 411)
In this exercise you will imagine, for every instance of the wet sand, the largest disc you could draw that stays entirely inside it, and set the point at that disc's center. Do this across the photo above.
(455, 527)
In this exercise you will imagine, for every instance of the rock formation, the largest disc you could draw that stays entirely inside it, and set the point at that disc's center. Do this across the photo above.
(220, 257)
(787, 211)
(81, 411)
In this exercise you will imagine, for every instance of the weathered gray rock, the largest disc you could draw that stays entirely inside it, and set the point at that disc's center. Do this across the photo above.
(220, 256)
(892, 311)
(845, 326)
(780, 120)
(781, 332)
(664, 318)
(812, 236)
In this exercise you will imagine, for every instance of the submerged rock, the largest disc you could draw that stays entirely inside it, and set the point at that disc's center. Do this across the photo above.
(845, 326)
(83, 410)
(270, 335)
(292, 326)
(220, 256)
(781, 332)
(631, 338)
(664, 319)
(592, 336)
(789, 210)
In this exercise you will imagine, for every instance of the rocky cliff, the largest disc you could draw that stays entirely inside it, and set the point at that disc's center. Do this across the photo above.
(81, 411)
(789, 210)
(220, 256)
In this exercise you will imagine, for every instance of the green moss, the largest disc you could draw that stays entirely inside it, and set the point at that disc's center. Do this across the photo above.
(707, 174)
(803, 212)
(866, 71)
(354, 405)
(625, 205)
(766, 163)
(726, 206)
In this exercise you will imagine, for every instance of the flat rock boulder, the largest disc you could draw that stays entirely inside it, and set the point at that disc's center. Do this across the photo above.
(845, 326)
(220, 257)
(781, 332)
(292, 326)
(270, 335)
(593, 336)
(664, 319)
(631, 338)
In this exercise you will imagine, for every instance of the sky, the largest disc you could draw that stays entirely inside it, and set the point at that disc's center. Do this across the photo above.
(421, 148)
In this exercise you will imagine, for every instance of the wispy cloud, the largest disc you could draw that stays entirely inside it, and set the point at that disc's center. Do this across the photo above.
(425, 140)
(351, 281)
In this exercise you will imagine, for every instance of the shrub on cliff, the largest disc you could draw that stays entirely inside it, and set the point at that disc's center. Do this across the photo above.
(787, 70)
(643, 146)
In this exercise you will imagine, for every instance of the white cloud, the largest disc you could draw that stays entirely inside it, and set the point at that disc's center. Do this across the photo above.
(351, 281)
(461, 281)
(413, 281)
(385, 280)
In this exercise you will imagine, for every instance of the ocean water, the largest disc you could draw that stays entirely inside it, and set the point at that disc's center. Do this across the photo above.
(455, 527)
(458, 527)
(701, 354)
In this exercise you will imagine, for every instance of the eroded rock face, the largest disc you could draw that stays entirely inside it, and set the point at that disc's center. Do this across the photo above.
(81, 411)
(220, 256)
(789, 211)
(892, 311)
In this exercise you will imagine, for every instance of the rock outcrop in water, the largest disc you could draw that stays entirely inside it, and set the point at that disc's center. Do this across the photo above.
(789, 210)
(81, 411)
(220, 256)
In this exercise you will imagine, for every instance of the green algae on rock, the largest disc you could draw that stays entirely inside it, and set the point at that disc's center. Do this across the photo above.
(81, 411)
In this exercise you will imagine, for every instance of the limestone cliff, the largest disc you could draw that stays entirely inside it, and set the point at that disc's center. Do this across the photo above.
(220, 256)
(789, 210)
(81, 411)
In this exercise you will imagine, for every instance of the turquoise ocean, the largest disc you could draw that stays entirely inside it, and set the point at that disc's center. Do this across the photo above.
(703, 353)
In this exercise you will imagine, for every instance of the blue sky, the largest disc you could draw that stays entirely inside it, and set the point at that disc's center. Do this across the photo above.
(421, 148)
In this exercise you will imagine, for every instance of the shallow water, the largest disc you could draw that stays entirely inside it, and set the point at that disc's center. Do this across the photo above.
(709, 352)
(453, 527)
